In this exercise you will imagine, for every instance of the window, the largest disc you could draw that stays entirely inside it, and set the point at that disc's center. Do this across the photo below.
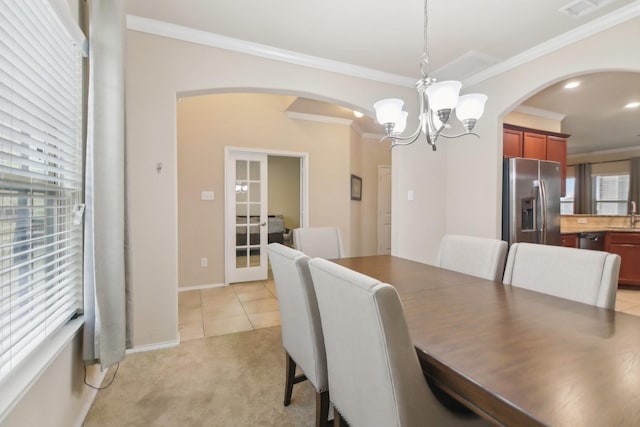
(610, 194)
(566, 202)
(40, 178)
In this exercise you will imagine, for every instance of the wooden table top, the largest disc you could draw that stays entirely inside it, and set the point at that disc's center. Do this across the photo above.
(515, 356)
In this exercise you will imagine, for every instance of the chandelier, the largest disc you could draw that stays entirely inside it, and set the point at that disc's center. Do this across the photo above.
(437, 102)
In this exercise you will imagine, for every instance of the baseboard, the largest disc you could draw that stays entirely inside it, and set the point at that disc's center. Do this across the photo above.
(91, 396)
(151, 347)
(200, 287)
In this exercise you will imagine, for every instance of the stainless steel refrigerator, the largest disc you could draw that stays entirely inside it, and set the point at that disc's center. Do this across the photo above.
(531, 201)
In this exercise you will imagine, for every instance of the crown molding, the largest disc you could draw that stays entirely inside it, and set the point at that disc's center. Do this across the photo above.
(179, 32)
(370, 135)
(621, 150)
(357, 129)
(603, 23)
(333, 120)
(317, 118)
(538, 112)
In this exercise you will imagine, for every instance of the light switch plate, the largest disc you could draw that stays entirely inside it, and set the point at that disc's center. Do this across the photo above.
(207, 195)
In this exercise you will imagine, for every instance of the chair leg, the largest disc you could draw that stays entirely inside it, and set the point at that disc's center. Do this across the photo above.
(338, 420)
(289, 381)
(322, 409)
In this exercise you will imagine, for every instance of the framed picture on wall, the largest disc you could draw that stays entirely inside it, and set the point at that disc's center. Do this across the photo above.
(356, 187)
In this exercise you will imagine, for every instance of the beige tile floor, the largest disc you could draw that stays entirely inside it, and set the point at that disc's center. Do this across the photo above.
(253, 305)
(227, 310)
(628, 301)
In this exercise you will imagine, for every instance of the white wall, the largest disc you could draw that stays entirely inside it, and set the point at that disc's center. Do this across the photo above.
(473, 169)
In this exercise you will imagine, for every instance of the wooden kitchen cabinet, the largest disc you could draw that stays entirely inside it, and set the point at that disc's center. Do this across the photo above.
(557, 152)
(534, 146)
(627, 245)
(570, 240)
(512, 143)
(518, 141)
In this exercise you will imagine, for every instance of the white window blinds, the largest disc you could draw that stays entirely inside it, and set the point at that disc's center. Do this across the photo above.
(40, 177)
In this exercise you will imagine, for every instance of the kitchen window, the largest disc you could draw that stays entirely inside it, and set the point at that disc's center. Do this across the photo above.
(610, 194)
(566, 202)
(40, 178)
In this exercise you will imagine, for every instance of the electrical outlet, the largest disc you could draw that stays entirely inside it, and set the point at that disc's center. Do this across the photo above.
(204, 262)
(582, 220)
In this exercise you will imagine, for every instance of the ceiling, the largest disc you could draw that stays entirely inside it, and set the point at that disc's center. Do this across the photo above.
(465, 37)
(595, 113)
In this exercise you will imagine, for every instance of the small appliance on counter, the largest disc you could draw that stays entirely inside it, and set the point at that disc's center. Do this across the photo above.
(531, 201)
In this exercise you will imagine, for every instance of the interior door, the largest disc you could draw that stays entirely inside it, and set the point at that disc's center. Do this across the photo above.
(384, 210)
(246, 217)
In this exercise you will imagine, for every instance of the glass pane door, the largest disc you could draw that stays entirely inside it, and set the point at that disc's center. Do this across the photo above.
(247, 258)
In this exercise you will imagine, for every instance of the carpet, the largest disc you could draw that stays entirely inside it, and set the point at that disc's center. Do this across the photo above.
(229, 380)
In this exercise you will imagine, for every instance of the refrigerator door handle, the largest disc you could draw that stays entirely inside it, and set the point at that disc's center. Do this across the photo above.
(543, 208)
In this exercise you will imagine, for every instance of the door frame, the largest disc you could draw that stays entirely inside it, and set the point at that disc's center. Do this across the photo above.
(228, 194)
(380, 225)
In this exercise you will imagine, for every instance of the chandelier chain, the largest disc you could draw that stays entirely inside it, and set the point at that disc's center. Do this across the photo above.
(424, 64)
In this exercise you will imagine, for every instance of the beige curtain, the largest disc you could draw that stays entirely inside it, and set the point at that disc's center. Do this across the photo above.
(634, 182)
(104, 271)
(583, 197)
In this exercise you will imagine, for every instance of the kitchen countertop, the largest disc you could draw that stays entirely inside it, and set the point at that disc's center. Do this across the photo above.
(603, 229)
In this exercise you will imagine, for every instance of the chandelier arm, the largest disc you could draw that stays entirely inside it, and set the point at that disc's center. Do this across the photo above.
(395, 143)
(459, 135)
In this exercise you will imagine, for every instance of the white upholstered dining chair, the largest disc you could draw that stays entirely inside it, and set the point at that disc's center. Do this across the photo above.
(581, 275)
(323, 242)
(302, 336)
(476, 256)
(374, 374)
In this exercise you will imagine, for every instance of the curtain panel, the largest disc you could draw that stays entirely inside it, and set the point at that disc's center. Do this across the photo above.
(634, 182)
(583, 196)
(104, 285)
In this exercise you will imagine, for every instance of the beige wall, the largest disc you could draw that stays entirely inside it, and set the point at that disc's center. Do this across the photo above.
(284, 189)
(603, 156)
(59, 397)
(159, 69)
(373, 154)
(533, 122)
(206, 124)
(457, 188)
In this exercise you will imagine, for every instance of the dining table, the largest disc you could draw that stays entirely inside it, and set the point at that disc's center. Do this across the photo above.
(514, 356)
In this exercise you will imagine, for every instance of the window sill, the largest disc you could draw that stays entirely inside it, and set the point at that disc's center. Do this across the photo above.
(18, 382)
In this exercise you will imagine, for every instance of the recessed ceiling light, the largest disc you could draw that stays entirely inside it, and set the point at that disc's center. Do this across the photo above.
(632, 105)
(358, 114)
(572, 85)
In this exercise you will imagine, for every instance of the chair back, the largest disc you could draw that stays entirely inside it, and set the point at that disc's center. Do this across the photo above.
(301, 329)
(476, 256)
(374, 374)
(582, 275)
(322, 242)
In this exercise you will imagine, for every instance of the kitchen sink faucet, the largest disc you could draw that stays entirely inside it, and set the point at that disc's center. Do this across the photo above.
(633, 214)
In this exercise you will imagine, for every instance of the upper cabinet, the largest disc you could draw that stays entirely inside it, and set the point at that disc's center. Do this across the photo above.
(518, 141)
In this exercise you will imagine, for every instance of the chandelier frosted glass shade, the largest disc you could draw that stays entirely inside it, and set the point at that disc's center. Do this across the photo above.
(401, 124)
(443, 95)
(388, 110)
(437, 101)
(470, 106)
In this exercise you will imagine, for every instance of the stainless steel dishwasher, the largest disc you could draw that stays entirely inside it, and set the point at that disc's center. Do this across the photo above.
(593, 240)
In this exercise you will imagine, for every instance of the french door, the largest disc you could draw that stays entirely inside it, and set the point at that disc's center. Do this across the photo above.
(246, 216)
